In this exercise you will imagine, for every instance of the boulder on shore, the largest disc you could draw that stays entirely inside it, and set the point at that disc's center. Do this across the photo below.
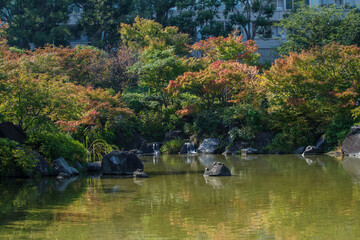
(121, 163)
(12, 132)
(249, 150)
(209, 145)
(351, 144)
(217, 169)
(61, 166)
(93, 167)
(235, 148)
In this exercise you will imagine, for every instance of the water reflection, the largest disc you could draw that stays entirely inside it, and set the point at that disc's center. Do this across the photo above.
(275, 196)
(352, 166)
(313, 161)
(215, 182)
(60, 185)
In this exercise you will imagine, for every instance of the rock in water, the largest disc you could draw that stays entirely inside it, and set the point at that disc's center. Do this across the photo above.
(351, 144)
(121, 163)
(217, 169)
(209, 145)
(140, 174)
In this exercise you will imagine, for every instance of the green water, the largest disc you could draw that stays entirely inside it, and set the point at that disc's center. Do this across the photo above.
(268, 197)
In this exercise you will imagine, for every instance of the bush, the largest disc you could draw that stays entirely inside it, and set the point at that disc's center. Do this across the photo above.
(141, 101)
(208, 124)
(14, 159)
(338, 129)
(150, 125)
(243, 115)
(172, 146)
(241, 134)
(98, 149)
(171, 120)
(55, 145)
(290, 139)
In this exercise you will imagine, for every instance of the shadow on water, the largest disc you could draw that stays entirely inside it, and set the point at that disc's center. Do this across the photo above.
(17, 196)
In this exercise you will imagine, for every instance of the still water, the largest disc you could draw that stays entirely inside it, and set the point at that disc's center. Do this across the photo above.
(268, 197)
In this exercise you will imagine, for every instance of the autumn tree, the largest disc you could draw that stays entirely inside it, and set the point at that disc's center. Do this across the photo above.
(220, 83)
(307, 91)
(227, 48)
(39, 90)
(145, 33)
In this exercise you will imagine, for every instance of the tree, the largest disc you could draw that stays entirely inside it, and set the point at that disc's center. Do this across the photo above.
(229, 48)
(157, 10)
(147, 33)
(252, 16)
(36, 22)
(156, 67)
(100, 19)
(221, 82)
(310, 26)
(308, 90)
(37, 92)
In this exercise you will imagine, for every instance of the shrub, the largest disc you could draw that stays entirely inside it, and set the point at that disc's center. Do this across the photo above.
(172, 146)
(338, 129)
(55, 145)
(98, 149)
(14, 159)
(290, 139)
(150, 125)
(241, 134)
(208, 124)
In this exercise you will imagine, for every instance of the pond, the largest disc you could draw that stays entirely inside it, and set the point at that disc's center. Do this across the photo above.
(268, 197)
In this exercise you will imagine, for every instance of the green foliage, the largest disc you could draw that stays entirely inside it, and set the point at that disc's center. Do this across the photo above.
(172, 121)
(98, 149)
(145, 34)
(306, 91)
(208, 124)
(241, 134)
(150, 125)
(199, 17)
(291, 138)
(14, 159)
(142, 101)
(100, 19)
(156, 68)
(243, 115)
(172, 146)
(310, 26)
(55, 145)
(338, 129)
(35, 22)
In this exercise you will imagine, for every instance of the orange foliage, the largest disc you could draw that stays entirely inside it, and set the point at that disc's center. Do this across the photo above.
(227, 48)
(222, 81)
